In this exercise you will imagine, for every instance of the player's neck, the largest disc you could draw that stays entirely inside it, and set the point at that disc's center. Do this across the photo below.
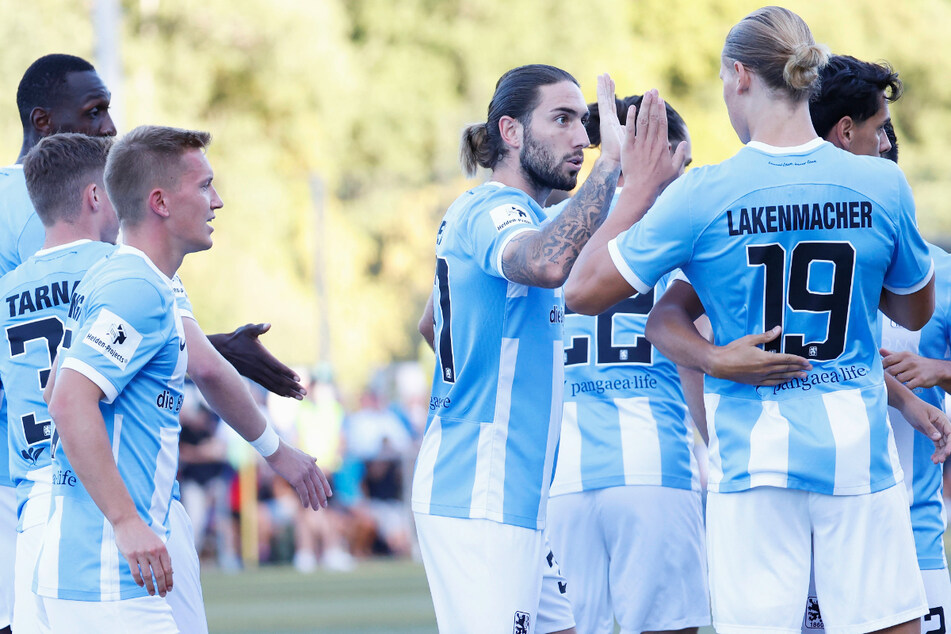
(156, 247)
(781, 124)
(63, 233)
(513, 176)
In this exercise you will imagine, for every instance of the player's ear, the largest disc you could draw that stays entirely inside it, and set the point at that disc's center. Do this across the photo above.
(158, 203)
(744, 78)
(40, 120)
(511, 130)
(92, 196)
(842, 133)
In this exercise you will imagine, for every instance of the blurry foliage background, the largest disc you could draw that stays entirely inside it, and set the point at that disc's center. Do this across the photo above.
(355, 107)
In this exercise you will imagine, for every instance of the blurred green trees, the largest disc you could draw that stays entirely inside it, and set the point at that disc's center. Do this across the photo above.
(336, 126)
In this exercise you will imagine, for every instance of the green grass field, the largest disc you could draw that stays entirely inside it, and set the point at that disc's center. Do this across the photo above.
(378, 597)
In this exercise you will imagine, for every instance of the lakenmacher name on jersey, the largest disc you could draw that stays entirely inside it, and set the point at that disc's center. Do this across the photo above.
(46, 296)
(853, 214)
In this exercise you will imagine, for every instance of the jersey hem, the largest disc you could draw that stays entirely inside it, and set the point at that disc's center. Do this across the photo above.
(786, 482)
(932, 563)
(465, 513)
(680, 483)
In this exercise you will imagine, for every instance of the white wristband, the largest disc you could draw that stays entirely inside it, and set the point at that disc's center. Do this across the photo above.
(268, 442)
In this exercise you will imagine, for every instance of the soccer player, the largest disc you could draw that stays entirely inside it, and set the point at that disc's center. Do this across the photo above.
(56, 93)
(64, 177)
(482, 476)
(116, 400)
(625, 514)
(792, 234)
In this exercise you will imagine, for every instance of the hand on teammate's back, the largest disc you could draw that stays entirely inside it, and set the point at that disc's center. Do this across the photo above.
(646, 160)
(251, 359)
(743, 361)
(301, 471)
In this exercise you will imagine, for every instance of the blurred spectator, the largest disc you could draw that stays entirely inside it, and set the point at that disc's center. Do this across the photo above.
(319, 537)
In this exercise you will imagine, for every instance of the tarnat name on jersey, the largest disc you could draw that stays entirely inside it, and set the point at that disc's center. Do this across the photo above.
(41, 297)
(854, 214)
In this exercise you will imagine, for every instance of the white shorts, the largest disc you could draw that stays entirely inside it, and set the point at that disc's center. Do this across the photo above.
(8, 548)
(632, 553)
(483, 576)
(185, 599)
(29, 615)
(937, 589)
(759, 544)
(554, 609)
(143, 615)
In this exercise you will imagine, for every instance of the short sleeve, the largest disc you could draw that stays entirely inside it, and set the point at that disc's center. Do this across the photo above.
(490, 227)
(662, 240)
(181, 298)
(125, 323)
(911, 267)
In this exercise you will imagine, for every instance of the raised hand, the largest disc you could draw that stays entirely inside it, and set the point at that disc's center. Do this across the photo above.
(646, 159)
(612, 133)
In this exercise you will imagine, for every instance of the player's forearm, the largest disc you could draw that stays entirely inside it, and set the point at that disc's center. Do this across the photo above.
(594, 283)
(899, 396)
(692, 383)
(221, 385)
(544, 258)
(82, 436)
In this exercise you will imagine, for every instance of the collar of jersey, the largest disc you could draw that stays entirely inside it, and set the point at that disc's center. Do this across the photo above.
(798, 149)
(125, 248)
(60, 247)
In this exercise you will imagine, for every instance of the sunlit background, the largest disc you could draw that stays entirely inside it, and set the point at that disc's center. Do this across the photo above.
(336, 127)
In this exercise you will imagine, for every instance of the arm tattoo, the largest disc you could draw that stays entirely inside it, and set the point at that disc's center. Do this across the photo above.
(560, 242)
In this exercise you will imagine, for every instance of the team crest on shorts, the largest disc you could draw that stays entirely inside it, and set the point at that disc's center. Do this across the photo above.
(813, 618)
(523, 623)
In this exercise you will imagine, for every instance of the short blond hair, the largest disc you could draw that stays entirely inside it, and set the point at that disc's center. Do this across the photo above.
(777, 45)
(147, 157)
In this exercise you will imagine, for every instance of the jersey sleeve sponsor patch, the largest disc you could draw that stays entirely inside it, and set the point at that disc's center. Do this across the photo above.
(113, 337)
(505, 216)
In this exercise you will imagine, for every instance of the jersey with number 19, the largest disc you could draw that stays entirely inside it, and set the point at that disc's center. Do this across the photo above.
(806, 238)
(495, 412)
(127, 338)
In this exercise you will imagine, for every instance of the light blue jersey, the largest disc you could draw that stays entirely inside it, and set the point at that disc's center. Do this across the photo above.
(805, 238)
(625, 419)
(923, 477)
(36, 299)
(21, 235)
(126, 337)
(495, 411)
